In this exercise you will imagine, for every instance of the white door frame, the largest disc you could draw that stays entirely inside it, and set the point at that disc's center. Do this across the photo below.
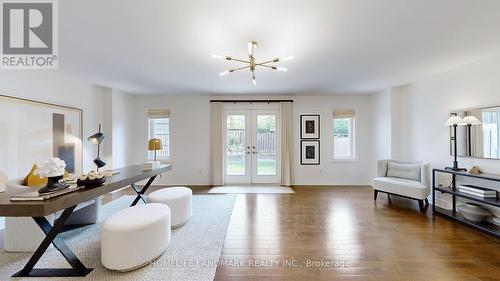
(247, 177)
(250, 140)
(265, 178)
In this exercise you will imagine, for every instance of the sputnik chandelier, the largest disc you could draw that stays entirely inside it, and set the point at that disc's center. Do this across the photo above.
(251, 63)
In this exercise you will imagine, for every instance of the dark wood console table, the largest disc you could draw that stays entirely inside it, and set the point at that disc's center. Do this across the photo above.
(39, 209)
(485, 227)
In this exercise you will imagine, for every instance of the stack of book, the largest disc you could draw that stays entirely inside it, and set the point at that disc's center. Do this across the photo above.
(35, 196)
(147, 166)
(151, 165)
(477, 191)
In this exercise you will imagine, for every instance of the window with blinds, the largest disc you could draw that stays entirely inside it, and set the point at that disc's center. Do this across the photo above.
(159, 127)
(344, 137)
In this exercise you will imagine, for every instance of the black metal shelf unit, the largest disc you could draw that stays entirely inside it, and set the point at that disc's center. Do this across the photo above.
(485, 227)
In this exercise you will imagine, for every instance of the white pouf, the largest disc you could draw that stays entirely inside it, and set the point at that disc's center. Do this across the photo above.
(135, 236)
(180, 201)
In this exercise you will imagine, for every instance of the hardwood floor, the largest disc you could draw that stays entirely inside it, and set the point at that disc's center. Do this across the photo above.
(355, 238)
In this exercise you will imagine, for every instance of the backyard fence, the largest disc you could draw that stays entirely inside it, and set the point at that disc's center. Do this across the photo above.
(342, 147)
(266, 141)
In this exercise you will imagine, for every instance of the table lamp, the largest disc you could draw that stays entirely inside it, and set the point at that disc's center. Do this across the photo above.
(97, 138)
(155, 145)
(454, 121)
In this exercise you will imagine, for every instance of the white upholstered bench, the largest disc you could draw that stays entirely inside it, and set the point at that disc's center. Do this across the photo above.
(179, 199)
(407, 179)
(135, 236)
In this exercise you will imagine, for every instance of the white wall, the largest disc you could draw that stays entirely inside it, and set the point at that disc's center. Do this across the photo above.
(117, 127)
(402, 122)
(430, 102)
(107, 127)
(356, 172)
(124, 123)
(190, 137)
(399, 121)
(382, 126)
(122, 129)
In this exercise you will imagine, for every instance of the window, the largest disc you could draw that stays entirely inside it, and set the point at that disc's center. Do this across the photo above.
(344, 137)
(491, 134)
(159, 128)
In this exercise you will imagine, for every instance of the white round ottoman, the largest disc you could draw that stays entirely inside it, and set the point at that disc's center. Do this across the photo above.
(179, 199)
(135, 236)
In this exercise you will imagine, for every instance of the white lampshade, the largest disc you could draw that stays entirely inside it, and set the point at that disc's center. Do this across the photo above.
(471, 120)
(455, 120)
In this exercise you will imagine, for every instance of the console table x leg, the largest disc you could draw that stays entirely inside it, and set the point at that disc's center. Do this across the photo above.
(141, 192)
(77, 267)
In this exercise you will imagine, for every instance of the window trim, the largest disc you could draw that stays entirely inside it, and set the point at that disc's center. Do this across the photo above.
(148, 134)
(355, 132)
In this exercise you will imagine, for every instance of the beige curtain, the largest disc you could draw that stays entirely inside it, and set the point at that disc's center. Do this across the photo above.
(286, 144)
(216, 160)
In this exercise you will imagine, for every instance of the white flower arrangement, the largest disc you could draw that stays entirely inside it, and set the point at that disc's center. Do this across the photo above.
(54, 167)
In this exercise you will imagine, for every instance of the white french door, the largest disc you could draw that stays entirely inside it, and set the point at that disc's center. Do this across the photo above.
(252, 148)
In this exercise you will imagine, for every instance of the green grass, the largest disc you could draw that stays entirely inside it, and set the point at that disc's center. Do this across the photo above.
(264, 167)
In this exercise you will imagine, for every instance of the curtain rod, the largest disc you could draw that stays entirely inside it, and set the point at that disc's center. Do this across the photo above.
(251, 101)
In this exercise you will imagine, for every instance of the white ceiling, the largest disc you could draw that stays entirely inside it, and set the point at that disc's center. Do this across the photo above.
(341, 46)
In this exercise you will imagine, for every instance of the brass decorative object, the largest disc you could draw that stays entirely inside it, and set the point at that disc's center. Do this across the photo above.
(475, 170)
(252, 62)
(154, 145)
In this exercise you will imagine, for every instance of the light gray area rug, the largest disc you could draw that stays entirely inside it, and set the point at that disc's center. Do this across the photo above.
(193, 252)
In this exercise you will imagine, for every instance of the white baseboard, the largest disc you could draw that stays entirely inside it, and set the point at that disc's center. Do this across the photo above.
(333, 185)
(346, 182)
(165, 180)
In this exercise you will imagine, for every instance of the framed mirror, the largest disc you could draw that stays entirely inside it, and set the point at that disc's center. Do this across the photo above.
(479, 137)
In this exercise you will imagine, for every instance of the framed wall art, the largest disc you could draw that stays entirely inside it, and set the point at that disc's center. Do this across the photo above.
(33, 131)
(309, 152)
(309, 126)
